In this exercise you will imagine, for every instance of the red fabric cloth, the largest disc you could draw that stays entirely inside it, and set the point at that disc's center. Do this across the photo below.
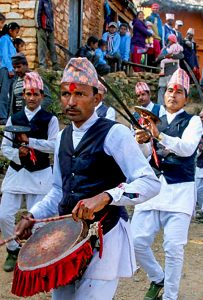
(156, 50)
(60, 273)
(136, 58)
(43, 20)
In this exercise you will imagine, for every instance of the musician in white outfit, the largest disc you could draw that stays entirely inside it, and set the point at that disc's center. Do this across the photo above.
(99, 154)
(24, 177)
(177, 139)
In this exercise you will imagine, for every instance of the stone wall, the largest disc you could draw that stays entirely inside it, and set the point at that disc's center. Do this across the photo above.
(22, 12)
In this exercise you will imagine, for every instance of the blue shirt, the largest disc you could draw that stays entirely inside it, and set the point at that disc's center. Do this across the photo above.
(101, 54)
(7, 50)
(116, 42)
(125, 46)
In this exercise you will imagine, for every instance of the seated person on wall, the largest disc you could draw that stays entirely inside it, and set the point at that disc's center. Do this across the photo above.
(29, 174)
(20, 65)
(113, 43)
(102, 66)
(102, 110)
(89, 50)
(125, 40)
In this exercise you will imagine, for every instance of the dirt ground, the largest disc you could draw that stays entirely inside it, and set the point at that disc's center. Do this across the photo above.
(135, 288)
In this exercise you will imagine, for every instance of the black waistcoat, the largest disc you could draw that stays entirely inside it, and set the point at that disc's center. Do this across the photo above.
(88, 171)
(39, 130)
(175, 169)
(102, 110)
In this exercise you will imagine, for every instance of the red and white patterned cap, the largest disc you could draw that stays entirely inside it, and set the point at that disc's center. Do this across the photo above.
(141, 87)
(32, 80)
(155, 6)
(80, 70)
(180, 77)
(101, 88)
(170, 16)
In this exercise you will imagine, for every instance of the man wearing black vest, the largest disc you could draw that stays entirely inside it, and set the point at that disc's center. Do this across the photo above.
(95, 173)
(29, 173)
(142, 92)
(177, 138)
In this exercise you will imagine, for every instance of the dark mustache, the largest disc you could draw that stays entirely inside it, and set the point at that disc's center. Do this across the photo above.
(71, 109)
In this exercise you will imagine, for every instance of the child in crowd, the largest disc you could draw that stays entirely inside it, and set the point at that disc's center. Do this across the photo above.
(173, 47)
(112, 37)
(7, 50)
(102, 67)
(19, 44)
(149, 40)
(2, 21)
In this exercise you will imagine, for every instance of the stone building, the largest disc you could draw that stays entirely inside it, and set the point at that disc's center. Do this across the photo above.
(75, 21)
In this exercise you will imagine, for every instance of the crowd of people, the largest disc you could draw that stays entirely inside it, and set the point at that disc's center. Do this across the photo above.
(100, 165)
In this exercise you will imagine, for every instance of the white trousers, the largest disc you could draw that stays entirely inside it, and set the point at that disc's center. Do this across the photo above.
(145, 225)
(87, 289)
(10, 204)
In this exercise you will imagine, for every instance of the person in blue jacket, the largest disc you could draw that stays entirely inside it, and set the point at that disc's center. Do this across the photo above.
(125, 42)
(112, 37)
(102, 66)
(7, 50)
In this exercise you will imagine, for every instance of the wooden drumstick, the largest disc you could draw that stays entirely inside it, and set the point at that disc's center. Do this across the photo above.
(3, 242)
(52, 219)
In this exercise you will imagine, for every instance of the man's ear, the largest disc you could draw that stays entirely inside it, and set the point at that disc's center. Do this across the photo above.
(97, 98)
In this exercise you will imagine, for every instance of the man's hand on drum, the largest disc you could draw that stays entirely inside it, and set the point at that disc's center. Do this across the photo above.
(23, 229)
(86, 208)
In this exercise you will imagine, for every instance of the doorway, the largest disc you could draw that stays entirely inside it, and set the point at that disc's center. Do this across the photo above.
(75, 25)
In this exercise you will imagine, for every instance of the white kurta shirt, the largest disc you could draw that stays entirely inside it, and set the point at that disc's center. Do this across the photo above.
(141, 179)
(110, 114)
(23, 181)
(179, 197)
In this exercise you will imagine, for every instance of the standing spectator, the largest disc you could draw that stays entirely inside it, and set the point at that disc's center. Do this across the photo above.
(2, 21)
(113, 44)
(155, 18)
(178, 26)
(19, 44)
(199, 173)
(26, 175)
(89, 50)
(102, 66)
(20, 65)
(190, 52)
(168, 28)
(173, 47)
(125, 42)
(177, 138)
(7, 50)
(45, 33)
(140, 33)
(102, 110)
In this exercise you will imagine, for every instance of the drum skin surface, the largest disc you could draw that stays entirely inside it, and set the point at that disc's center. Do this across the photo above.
(49, 244)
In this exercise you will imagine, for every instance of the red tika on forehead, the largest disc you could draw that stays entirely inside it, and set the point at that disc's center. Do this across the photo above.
(175, 87)
(32, 91)
(72, 87)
